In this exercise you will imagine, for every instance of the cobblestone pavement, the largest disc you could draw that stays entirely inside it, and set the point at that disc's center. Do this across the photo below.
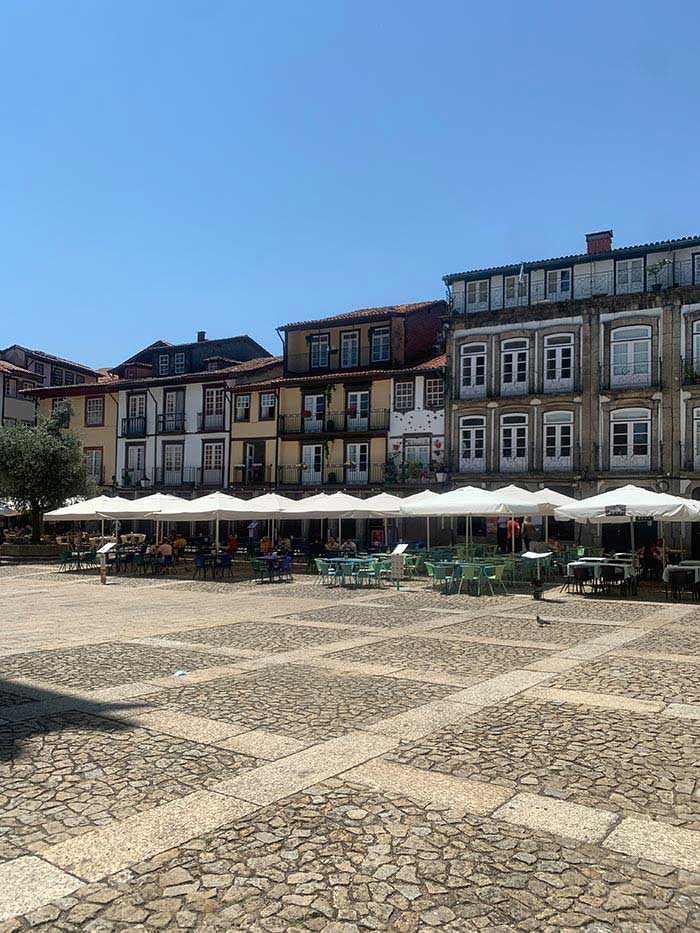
(637, 764)
(452, 657)
(262, 636)
(73, 772)
(344, 760)
(307, 703)
(107, 665)
(524, 629)
(669, 681)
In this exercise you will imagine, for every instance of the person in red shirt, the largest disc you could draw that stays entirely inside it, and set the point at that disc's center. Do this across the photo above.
(512, 532)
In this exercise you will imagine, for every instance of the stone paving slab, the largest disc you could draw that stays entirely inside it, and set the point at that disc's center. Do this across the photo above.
(598, 700)
(683, 710)
(30, 882)
(658, 842)
(423, 719)
(572, 820)
(365, 616)
(262, 744)
(500, 688)
(121, 844)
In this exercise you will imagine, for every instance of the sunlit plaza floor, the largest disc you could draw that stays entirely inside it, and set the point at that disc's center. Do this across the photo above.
(177, 754)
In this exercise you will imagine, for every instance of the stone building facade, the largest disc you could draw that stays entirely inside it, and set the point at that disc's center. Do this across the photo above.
(578, 373)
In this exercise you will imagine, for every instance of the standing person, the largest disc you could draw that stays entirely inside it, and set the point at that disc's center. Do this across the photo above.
(512, 533)
(528, 531)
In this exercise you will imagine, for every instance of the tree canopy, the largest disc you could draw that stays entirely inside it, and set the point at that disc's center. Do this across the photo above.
(42, 465)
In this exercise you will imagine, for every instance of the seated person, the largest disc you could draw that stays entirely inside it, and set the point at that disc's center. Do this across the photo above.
(265, 546)
(332, 547)
(348, 547)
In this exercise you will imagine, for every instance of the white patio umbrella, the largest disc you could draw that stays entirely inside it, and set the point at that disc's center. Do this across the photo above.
(549, 500)
(387, 506)
(426, 495)
(213, 507)
(626, 504)
(87, 510)
(7, 512)
(144, 507)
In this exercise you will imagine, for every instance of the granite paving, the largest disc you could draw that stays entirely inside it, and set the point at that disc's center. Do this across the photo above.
(669, 681)
(307, 703)
(94, 666)
(433, 654)
(343, 760)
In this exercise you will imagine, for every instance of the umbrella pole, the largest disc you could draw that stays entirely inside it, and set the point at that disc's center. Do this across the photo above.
(546, 529)
(632, 547)
(103, 531)
(216, 540)
(427, 533)
(386, 533)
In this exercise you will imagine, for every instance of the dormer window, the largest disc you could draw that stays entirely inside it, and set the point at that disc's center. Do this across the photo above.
(515, 290)
(381, 345)
(163, 364)
(558, 284)
(629, 276)
(319, 346)
(179, 363)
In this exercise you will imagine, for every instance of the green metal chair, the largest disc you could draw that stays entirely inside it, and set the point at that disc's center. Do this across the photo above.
(496, 578)
(472, 577)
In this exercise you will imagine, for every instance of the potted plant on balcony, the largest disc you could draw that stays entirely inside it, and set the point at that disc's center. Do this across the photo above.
(654, 272)
(351, 411)
(305, 413)
(145, 481)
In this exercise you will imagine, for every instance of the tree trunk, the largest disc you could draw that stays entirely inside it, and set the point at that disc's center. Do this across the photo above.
(37, 522)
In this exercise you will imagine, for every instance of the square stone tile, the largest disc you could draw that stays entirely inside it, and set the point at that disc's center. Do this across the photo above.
(675, 639)
(433, 654)
(301, 701)
(635, 677)
(372, 616)
(66, 774)
(269, 637)
(525, 629)
(314, 860)
(90, 667)
(628, 763)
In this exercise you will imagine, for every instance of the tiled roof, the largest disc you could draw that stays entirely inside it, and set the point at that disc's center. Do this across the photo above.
(262, 363)
(40, 355)
(158, 344)
(681, 243)
(18, 371)
(433, 364)
(362, 313)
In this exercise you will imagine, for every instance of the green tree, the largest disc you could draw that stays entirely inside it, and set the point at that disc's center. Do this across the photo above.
(41, 466)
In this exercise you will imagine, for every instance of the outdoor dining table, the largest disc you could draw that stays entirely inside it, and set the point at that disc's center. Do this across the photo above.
(338, 564)
(594, 564)
(687, 565)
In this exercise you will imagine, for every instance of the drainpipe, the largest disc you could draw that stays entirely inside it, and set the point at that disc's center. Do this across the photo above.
(155, 433)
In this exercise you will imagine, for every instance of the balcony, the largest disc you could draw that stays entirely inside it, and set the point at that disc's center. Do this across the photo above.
(133, 478)
(677, 272)
(134, 426)
(337, 422)
(96, 476)
(413, 473)
(210, 421)
(633, 376)
(173, 423)
(335, 361)
(341, 474)
(258, 474)
(691, 371)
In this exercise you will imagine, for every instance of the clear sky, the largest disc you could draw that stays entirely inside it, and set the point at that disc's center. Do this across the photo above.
(174, 165)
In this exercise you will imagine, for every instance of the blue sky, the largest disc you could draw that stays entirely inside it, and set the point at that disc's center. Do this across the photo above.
(174, 165)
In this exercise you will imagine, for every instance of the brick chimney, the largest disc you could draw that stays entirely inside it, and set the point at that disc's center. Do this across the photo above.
(600, 242)
(201, 336)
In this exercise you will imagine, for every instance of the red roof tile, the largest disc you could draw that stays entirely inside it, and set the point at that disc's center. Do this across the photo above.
(386, 311)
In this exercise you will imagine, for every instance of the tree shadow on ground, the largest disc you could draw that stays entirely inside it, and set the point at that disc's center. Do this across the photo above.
(26, 712)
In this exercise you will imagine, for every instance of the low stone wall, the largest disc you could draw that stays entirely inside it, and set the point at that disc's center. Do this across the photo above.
(32, 552)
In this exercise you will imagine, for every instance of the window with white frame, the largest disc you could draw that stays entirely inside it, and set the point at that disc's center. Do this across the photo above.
(267, 406)
(319, 345)
(472, 370)
(558, 362)
(696, 269)
(514, 440)
(242, 408)
(350, 349)
(478, 295)
(94, 411)
(558, 282)
(93, 463)
(515, 290)
(629, 276)
(381, 345)
(696, 347)
(514, 367)
(630, 356)
(472, 444)
(434, 393)
(403, 396)
(557, 439)
(179, 363)
(630, 438)
(163, 364)
(417, 450)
